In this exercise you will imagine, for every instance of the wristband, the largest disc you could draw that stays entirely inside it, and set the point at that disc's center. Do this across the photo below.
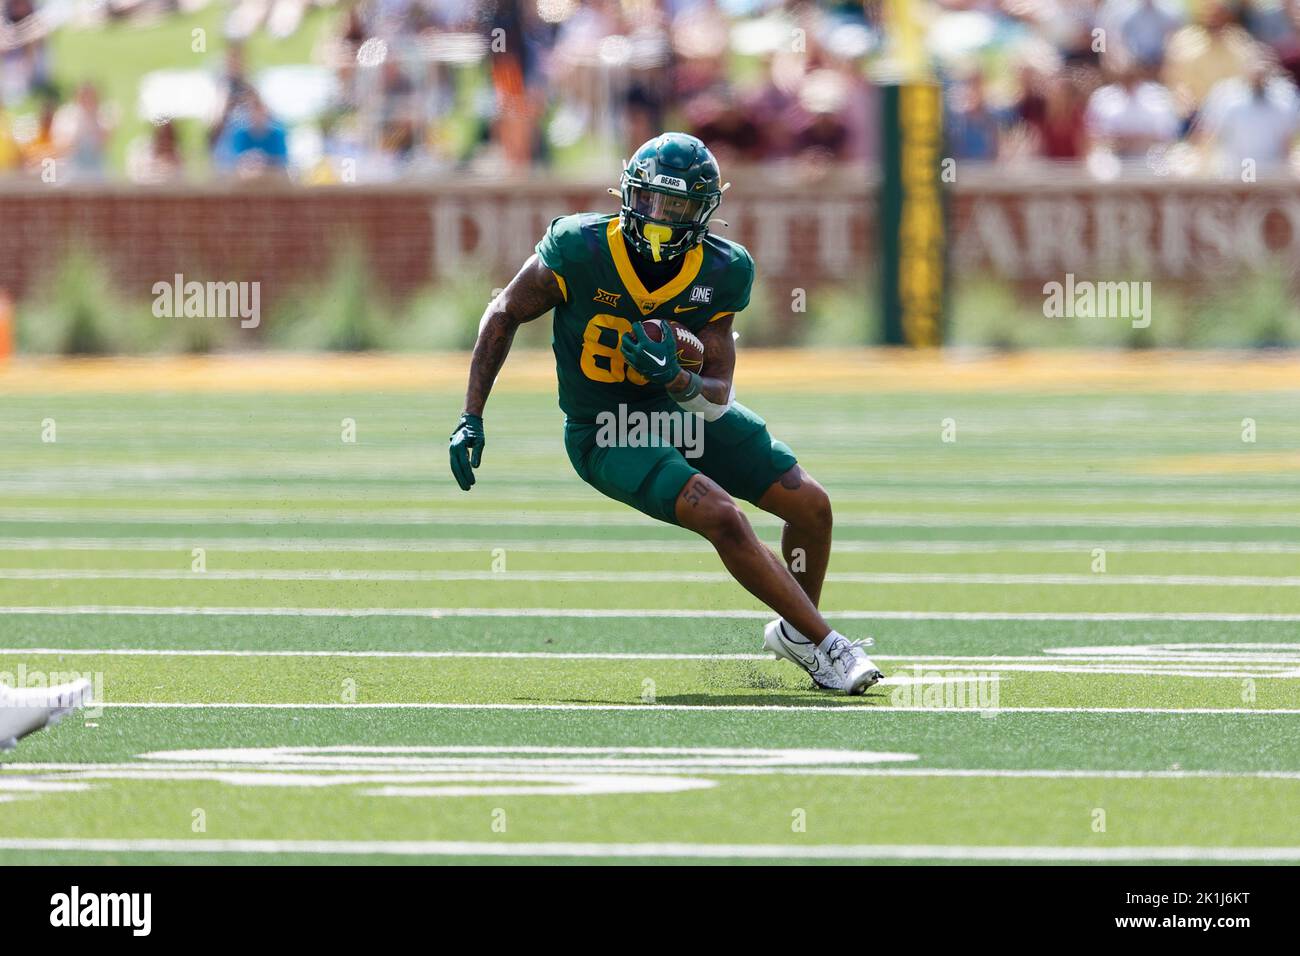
(693, 387)
(692, 400)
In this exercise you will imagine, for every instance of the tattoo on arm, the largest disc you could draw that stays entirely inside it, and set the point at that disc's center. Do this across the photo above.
(533, 292)
(696, 491)
(719, 361)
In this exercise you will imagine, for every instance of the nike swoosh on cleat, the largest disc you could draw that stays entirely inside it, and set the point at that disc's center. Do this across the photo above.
(789, 640)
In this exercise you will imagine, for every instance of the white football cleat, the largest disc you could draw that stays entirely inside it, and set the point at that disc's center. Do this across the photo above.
(786, 643)
(855, 670)
(24, 711)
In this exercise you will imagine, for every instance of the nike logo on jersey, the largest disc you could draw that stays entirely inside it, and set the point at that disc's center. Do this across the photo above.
(689, 308)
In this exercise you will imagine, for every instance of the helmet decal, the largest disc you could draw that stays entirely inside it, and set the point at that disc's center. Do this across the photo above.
(672, 182)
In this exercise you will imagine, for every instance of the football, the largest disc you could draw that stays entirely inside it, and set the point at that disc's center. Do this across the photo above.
(690, 350)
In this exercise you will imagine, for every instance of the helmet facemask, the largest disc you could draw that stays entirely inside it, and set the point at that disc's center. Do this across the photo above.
(661, 222)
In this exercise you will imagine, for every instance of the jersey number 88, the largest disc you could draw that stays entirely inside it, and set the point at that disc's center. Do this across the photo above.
(592, 348)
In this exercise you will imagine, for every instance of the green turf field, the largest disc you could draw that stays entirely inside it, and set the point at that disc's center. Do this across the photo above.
(1086, 607)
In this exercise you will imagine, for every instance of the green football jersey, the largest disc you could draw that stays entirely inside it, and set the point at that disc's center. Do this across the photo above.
(603, 297)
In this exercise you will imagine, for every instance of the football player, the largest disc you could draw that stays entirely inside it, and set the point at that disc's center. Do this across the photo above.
(603, 274)
(24, 711)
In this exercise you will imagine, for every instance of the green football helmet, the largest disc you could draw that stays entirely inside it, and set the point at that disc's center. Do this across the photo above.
(670, 188)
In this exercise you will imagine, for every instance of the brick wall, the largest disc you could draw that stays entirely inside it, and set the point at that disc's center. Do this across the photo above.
(287, 237)
(1015, 226)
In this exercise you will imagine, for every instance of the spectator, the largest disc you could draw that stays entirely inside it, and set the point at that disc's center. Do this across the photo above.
(1131, 115)
(232, 87)
(352, 33)
(732, 134)
(1067, 25)
(860, 113)
(399, 130)
(82, 133)
(1144, 27)
(1201, 54)
(157, 160)
(775, 105)
(43, 148)
(1057, 118)
(258, 144)
(823, 138)
(973, 127)
(1252, 118)
(699, 38)
(24, 65)
(1287, 47)
(518, 105)
(643, 118)
(1269, 21)
(10, 155)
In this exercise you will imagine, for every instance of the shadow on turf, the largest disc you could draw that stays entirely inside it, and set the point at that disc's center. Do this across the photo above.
(808, 698)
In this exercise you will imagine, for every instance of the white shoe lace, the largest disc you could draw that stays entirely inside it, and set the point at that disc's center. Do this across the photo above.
(851, 649)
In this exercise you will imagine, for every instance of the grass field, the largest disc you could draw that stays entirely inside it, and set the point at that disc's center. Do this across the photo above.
(1086, 606)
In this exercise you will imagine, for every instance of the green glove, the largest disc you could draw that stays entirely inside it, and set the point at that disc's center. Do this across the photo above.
(657, 361)
(466, 439)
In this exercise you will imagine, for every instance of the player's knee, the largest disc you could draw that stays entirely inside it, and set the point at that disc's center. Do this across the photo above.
(724, 523)
(730, 525)
(819, 514)
(814, 509)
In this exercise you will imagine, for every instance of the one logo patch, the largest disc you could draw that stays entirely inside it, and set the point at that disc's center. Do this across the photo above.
(702, 294)
(607, 298)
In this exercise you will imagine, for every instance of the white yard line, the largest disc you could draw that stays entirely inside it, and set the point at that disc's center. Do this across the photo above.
(570, 612)
(669, 577)
(759, 851)
(271, 545)
(539, 655)
(43, 482)
(1149, 666)
(188, 769)
(695, 760)
(655, 708)
(1215, 668)
(594, 517)
(182, 475)
(957, 660)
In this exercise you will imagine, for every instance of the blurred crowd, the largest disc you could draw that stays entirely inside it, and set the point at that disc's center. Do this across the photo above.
(405, 88)
(442, 88)
(1203, 87)
(572, 83)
